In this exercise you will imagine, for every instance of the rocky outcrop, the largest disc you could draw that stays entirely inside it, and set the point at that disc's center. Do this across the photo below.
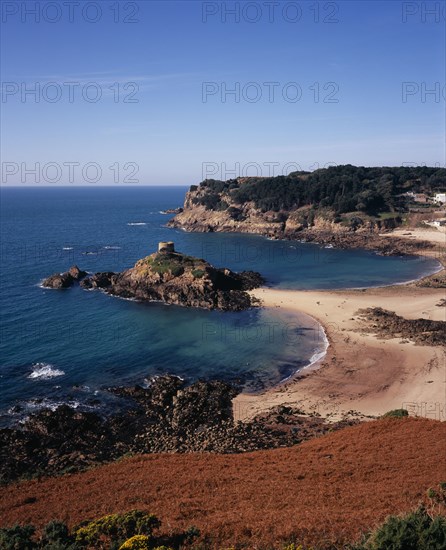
(168, 416)
(102, 280)
(64, 280)
(390, 325)
(173, 278)
(208, 210)
(437, 280)
(172, 210)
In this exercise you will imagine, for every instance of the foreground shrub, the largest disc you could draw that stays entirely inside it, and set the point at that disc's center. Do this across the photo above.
(56, 533)
(116, 528)
(423, 529)
(138, 542)
(414, 531)
(19, 537)
(130, 531)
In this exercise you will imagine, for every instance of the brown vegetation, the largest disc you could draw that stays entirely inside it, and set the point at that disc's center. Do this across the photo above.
(327, 490)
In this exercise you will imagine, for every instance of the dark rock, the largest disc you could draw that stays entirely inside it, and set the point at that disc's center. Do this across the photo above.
(64, 280)
(168, 416)
(76, 273)
(99, 280)
(389, 324)
(58, 280)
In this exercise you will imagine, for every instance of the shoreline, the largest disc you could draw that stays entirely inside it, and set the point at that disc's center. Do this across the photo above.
(361, 374)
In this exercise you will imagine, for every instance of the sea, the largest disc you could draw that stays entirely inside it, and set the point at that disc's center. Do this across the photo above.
(69, 346)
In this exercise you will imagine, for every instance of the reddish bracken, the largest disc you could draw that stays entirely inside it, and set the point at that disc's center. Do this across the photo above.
(329, 489)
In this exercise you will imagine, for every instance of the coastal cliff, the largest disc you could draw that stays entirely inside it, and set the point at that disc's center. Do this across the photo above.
(347, 207)
(170, 277)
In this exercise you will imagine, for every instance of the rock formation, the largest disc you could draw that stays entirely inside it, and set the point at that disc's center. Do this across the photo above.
(173, 278)
(64, 280)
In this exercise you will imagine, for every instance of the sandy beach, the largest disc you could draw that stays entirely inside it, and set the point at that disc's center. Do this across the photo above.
(431, 234)
(362, 373)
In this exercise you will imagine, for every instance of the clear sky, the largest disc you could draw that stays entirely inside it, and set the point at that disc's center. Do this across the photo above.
(315, 83)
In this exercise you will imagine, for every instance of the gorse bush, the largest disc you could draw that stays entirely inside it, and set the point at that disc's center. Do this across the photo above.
(138, 542)
(117, 527)
(134, 530)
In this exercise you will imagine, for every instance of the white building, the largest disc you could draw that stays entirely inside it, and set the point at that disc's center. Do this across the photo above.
(440, 197)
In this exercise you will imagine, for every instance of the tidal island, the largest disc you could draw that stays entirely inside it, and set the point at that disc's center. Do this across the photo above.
(170, 277)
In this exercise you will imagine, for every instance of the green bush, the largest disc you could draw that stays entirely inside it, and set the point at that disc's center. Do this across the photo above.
(222, 205)
(414, 531)
(198, 273)
(56, 536)
(236, 214)
(209, 200)
(396, 413)
(177, 270)
(19, 537)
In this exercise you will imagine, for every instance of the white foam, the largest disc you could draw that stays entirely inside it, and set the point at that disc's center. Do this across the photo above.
(67, 248)
(319, 353)
(136, 223)
(112, 247)
(148, 382)
(44, 371)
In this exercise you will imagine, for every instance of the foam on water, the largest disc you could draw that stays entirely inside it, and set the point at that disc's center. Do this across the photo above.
(44, 371)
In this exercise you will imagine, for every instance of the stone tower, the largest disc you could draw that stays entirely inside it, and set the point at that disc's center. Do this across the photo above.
(166, 247)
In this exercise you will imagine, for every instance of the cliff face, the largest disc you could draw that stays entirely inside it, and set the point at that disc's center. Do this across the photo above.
(244, 218)
(175, 278)
(207, 210)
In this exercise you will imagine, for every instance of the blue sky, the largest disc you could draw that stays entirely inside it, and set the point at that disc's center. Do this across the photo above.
(337, 79)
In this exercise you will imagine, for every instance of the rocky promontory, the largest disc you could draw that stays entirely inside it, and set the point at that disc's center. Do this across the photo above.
(331, 206)
(170, 277)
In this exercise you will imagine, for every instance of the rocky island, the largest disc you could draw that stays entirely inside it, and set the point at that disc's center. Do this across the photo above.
(170, 277)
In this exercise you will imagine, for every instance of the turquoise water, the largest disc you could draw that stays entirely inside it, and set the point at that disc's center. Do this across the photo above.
(69, 345)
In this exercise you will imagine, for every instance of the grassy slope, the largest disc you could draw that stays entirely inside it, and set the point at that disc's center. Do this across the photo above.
(328, 489)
